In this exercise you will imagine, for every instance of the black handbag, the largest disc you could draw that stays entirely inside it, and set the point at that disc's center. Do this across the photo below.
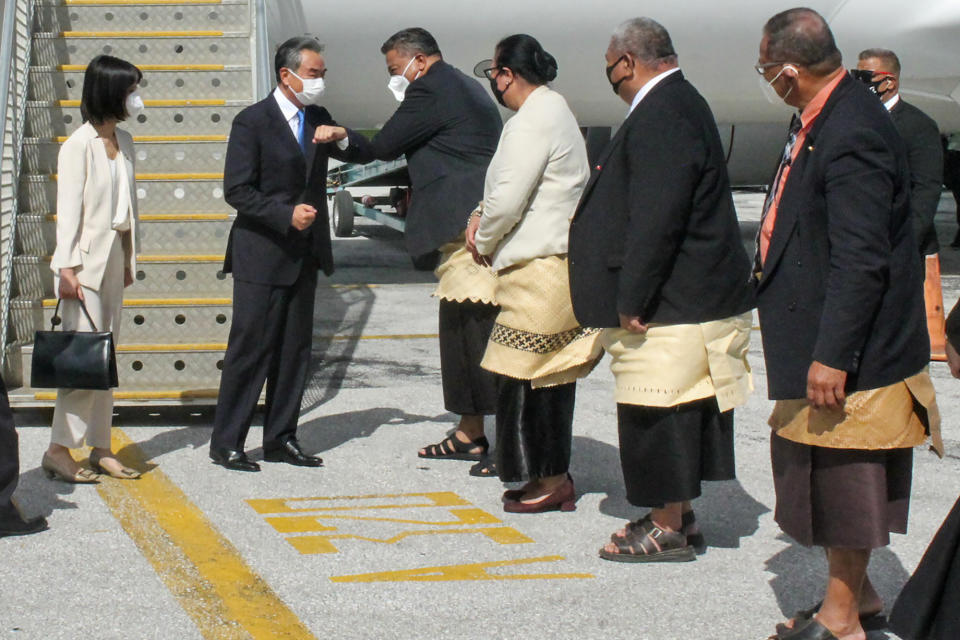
(73, 359)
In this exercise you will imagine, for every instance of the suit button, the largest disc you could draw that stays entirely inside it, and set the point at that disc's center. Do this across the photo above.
(792, 306)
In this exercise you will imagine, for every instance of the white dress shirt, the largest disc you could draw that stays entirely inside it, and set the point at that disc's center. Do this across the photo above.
(293, 115)
(892, 102)
(647, 88)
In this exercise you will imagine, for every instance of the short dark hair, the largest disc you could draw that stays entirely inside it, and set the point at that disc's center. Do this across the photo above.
(290, 53)
(645, 39)
(803, 37)
(411, 42)
(523, 55)
(106, 83)
(889, 59)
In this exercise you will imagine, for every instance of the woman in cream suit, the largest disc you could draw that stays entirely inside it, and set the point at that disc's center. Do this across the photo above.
(537, 348)
(95, 257)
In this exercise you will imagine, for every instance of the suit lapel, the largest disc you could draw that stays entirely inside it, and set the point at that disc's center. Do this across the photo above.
(309, 128)
(281, 128)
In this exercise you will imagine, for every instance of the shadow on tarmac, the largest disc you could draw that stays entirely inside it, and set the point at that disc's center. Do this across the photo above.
(726, 513)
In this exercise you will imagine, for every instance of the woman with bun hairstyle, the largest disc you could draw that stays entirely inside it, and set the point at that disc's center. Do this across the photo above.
(538, 350)
(95, 256)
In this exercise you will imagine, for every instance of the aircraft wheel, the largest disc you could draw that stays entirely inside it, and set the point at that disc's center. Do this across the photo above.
(343, 214)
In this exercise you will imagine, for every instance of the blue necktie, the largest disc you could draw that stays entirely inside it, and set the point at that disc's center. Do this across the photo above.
(300, 131)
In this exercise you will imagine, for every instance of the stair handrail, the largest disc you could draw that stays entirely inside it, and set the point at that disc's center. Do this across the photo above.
(16, 34)
(262, 72)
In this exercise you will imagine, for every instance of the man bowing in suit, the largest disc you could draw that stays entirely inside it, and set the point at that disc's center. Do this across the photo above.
(275, 177)
(656, 259)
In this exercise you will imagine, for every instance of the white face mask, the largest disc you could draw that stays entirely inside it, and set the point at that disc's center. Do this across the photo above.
(398, 84)
(134, 104)
(770, 93)
(313, 89)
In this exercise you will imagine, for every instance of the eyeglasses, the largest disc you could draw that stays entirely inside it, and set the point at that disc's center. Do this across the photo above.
(761, 68)
(485, 69)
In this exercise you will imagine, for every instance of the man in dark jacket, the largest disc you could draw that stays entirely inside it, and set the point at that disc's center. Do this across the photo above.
(448, 128)
(656, 260)
(841, 312)
(11, 522)
(275, 176)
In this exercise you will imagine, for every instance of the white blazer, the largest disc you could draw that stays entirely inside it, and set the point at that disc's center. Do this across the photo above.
(533, 183)
(85, 205)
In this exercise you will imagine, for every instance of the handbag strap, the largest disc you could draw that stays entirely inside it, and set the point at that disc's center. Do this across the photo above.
(55, 320)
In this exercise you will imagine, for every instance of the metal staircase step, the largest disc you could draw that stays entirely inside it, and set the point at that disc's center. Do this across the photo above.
(50, 83)
(142, 17)
(56, 49)
(145, 319)
(149, 367)
(156, 193)
(156, 275)
(164, 232)
(46, 119)
(191, 155)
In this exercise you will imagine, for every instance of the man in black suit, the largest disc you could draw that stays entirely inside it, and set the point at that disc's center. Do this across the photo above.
(840, 300)
(879, 69)
(275, 177)
(11, 522)
(448, 128)
(656, 259)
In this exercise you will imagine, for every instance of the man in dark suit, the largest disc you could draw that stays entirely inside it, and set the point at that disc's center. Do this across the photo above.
(11, 522)
(840, 301)
(448, 128)
(879, 69)
(275, 177)
(656, 259)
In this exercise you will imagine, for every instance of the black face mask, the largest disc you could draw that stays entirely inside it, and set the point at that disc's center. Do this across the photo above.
(615, 85)
(496, 92)
(866, 77)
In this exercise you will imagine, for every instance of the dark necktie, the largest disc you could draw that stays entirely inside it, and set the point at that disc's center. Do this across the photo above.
(785, 160)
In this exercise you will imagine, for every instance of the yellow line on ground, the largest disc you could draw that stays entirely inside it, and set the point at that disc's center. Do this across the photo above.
(217, 589)
(206, 102)
(154, 67)
(141, 34)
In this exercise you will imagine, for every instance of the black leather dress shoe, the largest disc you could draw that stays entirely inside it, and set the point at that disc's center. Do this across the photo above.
(291, 453)
(234, 460)
(17, 526)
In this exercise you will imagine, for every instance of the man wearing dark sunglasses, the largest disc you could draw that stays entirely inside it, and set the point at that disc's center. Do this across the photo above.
(879, 69)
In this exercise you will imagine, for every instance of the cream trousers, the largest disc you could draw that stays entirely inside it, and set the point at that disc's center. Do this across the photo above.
(87, 414)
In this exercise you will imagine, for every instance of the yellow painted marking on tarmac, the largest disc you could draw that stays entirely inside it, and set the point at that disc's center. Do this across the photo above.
(154, 67)
(220, 592)
(206, 102)
(436, 499)
(464, 572)
(141, 34)
(463, 517)
(309, 545)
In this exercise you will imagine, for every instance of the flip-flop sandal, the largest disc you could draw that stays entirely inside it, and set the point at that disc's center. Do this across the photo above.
(810, 630)
(452, 449)
(869, 621)
(485, 468)
(646, 542)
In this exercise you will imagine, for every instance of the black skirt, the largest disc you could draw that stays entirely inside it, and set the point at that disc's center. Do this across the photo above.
(666, 452)
(929, 605)
(465, 329)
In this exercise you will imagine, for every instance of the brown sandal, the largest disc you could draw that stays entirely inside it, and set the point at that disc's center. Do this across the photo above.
(695, 540)
(646, 542)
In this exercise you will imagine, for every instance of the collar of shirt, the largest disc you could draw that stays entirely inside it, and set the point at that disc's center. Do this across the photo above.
(892, 102)
(288, 109)
(815, 106)
(647, 88)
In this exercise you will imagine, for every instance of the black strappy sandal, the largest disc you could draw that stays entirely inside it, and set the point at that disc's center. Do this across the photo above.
(485, 468)
(452, 449)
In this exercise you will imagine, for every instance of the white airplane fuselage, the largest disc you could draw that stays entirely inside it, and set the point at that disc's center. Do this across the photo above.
(717, 43)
